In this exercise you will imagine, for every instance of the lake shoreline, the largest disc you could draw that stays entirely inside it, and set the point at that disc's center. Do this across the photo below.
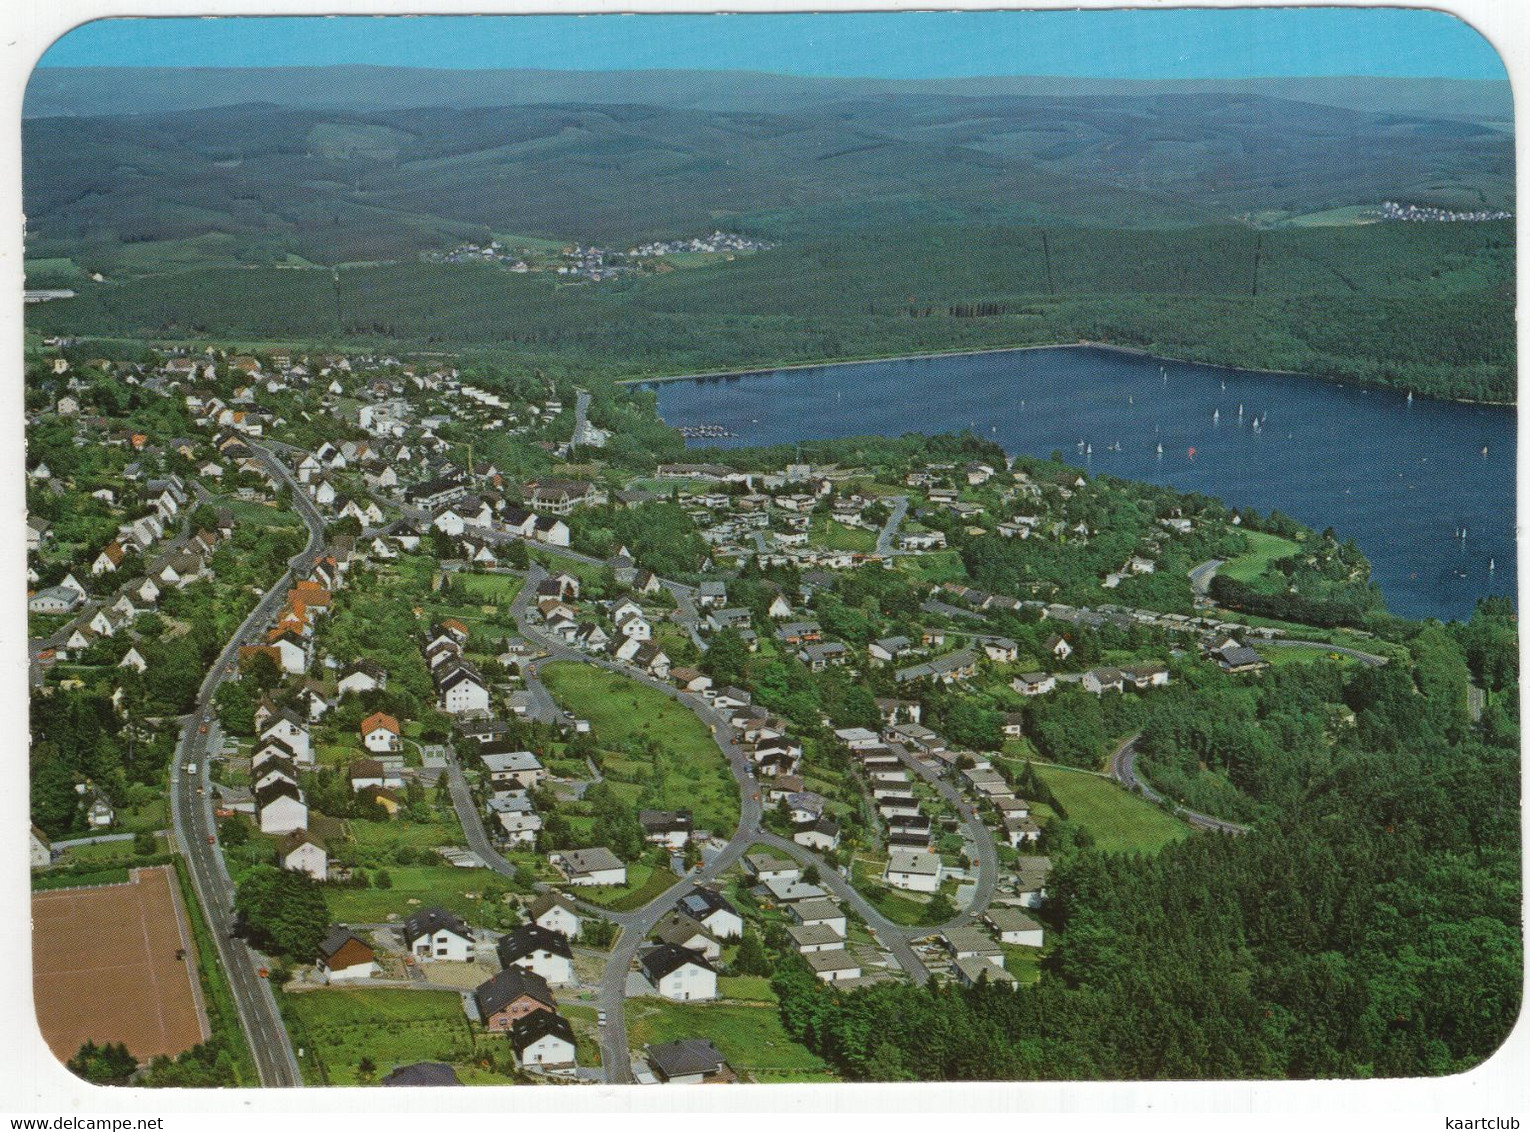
(1131, 351)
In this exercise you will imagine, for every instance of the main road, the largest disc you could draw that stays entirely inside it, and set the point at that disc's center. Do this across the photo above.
(196, 827)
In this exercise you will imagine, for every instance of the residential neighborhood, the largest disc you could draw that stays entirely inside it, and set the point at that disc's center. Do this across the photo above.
(585, 788)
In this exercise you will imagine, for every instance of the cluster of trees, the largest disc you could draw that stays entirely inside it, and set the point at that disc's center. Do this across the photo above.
(207, 1065)
(1347, 607)
(660, 536)
(282, 912)
(1370, 926)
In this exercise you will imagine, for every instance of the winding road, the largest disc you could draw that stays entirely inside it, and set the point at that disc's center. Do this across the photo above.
(1200, 577)
(634, 925)
(1123, 768)
(889, 529)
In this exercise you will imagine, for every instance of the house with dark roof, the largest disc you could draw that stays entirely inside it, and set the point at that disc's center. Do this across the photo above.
(690, 1061)
(543, 1043)
(434, 933)
(302, 852)
(669, 828)
(344, 956)
(423, 1074)
(711, 910)
(280, 808)
(509, 995)
(679, 973)
(590, 867)
(537, 949)
(556, 913)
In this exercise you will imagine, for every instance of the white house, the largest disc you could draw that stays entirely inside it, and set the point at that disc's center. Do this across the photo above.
(590, 867)
(834, 965)
(679, 973)
(301, 852)
(539, 950)
(556, 913)
(290, 729)
(41, 849)
(461, 690)
(913, 871)
(344, 957)
(280, 807)
(380, 733)
(544, 1042)
(361, 676)
(711, 910)
(1014, 926)
(434, 933)
(823, 911)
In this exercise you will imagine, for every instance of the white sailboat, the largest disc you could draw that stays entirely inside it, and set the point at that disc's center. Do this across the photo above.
(1216, 416)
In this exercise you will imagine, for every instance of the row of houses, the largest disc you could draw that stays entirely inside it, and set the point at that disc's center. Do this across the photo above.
(818, 927)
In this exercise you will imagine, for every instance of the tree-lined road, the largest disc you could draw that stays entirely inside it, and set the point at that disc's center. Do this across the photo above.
(196, 826)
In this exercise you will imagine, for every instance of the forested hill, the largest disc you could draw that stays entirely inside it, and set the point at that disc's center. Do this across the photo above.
(336, 187)
(88, 91)
(1423, 306)
(1224, 225)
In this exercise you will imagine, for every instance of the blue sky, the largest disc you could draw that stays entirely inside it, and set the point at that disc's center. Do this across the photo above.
(1226, 43)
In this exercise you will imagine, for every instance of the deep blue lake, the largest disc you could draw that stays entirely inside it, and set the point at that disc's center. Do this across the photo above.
(1400, 479)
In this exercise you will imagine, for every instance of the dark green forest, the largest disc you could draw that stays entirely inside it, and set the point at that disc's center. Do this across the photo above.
(1426, 307)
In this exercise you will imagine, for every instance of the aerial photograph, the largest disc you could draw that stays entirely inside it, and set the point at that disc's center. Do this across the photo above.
(770, 549)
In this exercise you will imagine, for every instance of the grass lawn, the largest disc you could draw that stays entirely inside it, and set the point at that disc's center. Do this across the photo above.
(1262, 550)
(644, 882)
(582, 1021)
(749, 1037)
(1118, 821)
(687, 771)
(256, 514)
(832, 535)
(1023, 962)
(898, 908)
(443, 885)
(105, 852)
(588, 574)
(150, 817)
(748, 988)
(934, 566)
(338, 1028)
(418, 835)
(498, 589)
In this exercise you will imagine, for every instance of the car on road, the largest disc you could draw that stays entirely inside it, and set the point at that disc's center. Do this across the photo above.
(191, 768)
(212, 839)
(204, 729)
(600, 1018)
